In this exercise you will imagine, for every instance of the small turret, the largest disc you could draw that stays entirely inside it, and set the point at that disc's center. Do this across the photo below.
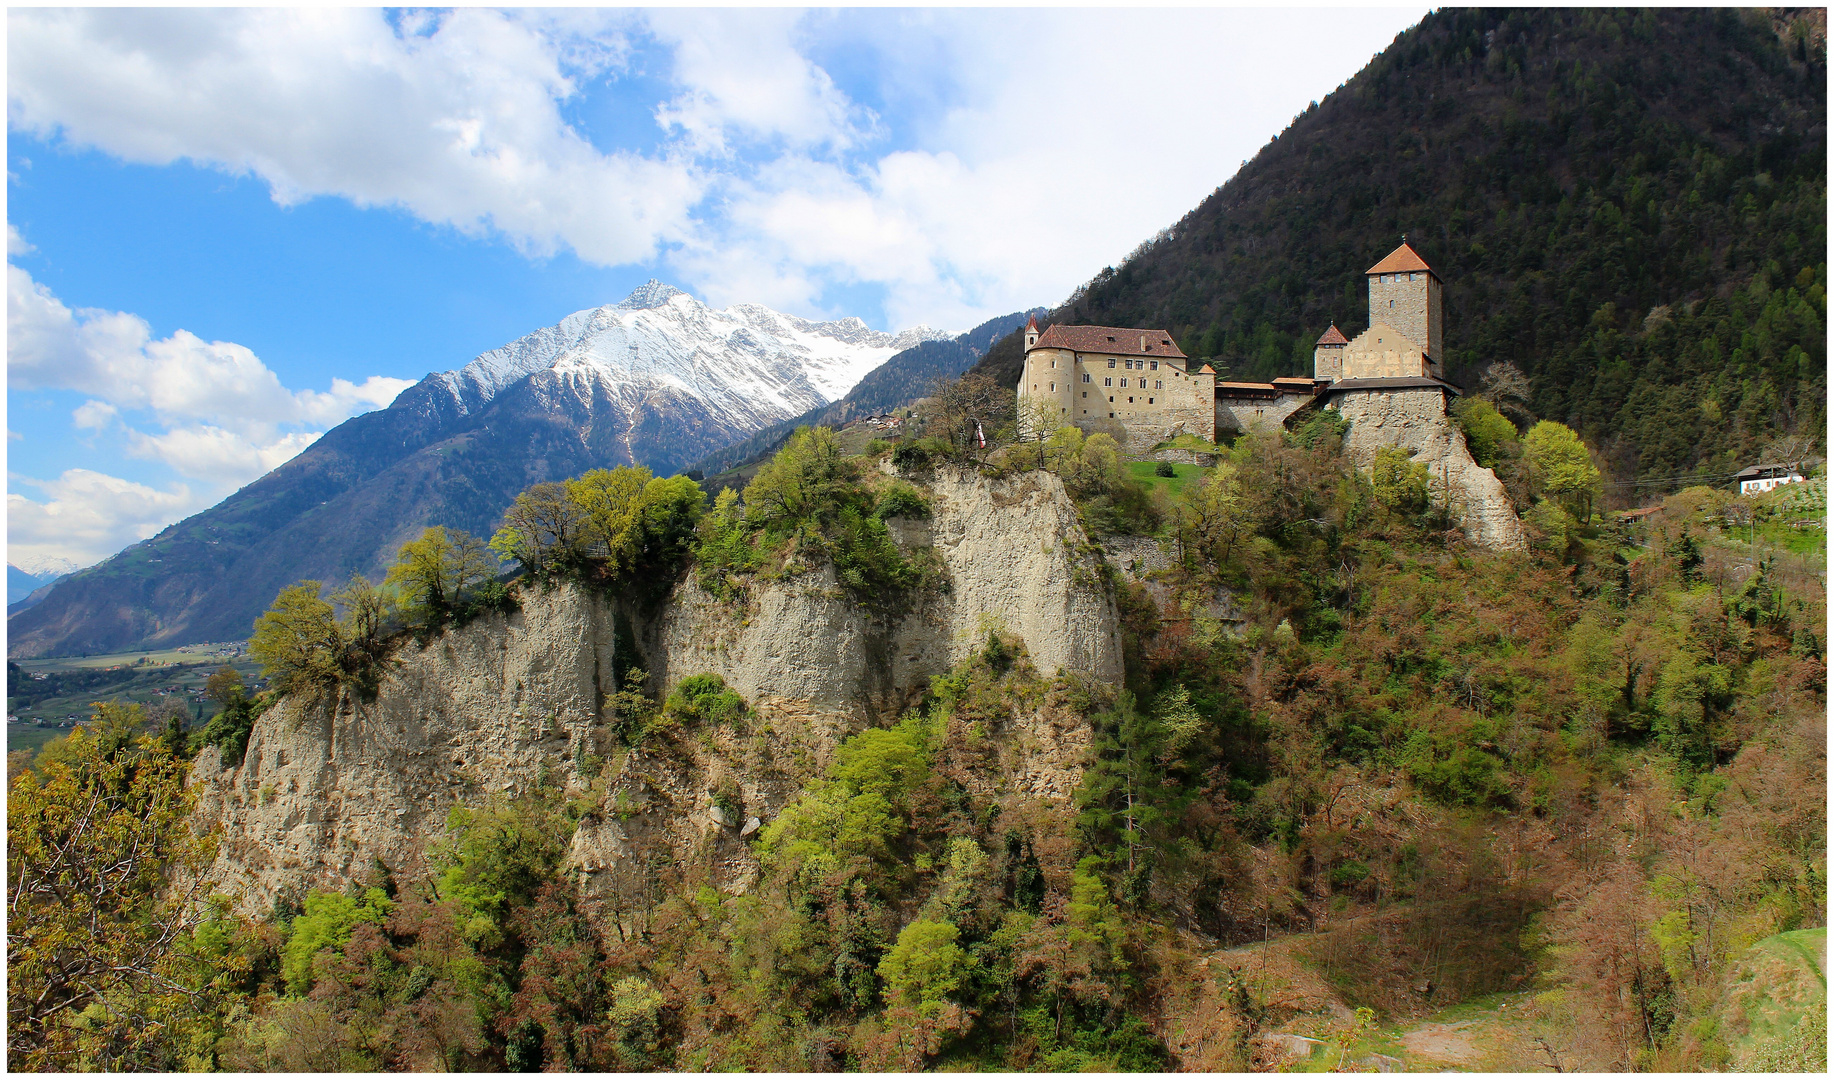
(1328, 355)
(1031, 332)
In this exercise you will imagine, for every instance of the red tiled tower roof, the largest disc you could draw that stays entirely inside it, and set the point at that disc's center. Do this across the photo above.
(1401, 259)
(1032, 323)
(1333, 336)
(1114, 340)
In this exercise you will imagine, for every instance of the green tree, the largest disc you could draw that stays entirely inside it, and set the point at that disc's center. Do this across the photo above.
(107, 876)
(671, 510)
(926, 965)
(1561, 468)
(1125, 792)
(808, 480)
(1216, 518)
(494, 859)
(1489, 435)
(225, 685)
(1400, 483)
(541, 529)
(610, 502)
(297, 641)
(326, 923)
(365, 610)
(432, 572)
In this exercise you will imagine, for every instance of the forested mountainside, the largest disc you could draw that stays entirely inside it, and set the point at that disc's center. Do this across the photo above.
(899, 381)
(1628, 205)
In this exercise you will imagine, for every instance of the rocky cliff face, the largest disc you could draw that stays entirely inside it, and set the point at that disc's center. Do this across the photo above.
(329, 786)
(1417, 420)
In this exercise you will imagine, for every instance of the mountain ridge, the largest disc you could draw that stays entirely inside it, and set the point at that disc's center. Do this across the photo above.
(656, 381)
(899, 381)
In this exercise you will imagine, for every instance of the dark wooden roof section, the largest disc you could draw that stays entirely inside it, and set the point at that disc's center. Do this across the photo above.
(1409, 382)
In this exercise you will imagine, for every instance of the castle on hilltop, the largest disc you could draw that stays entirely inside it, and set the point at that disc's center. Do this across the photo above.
(1138, 386)
(1388, 382)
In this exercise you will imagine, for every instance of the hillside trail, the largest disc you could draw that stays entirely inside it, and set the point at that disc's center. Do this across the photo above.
(1310, 1028)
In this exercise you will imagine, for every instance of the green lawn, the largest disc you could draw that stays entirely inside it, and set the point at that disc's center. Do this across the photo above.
(1174, 486)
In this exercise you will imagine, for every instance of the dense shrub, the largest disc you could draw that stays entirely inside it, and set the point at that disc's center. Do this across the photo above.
(811, 504)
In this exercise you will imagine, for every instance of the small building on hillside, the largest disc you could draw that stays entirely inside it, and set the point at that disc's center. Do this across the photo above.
(1761, 478)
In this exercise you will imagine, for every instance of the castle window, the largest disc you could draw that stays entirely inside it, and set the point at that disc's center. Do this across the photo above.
(1155, 365)
(1149, 401)
(1085, 393)
(1053, 388)
(1123, 380)
(1108, 380)
(1087, 376)
(1111, 402)
(1158, 384)
(1111, 361)
(1130, 401)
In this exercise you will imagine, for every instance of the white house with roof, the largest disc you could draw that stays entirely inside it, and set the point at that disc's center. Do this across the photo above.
(1761, 478)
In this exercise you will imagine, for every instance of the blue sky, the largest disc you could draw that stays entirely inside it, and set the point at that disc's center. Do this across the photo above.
(228, 231)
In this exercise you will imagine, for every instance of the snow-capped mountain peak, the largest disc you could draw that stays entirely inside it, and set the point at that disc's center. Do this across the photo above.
(748, 364)
(650, 294)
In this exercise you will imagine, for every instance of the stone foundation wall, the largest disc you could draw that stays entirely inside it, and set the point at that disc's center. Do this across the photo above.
(1240, 414)
(1416, 419)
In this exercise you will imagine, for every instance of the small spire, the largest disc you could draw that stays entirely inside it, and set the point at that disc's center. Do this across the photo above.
(1032, 323)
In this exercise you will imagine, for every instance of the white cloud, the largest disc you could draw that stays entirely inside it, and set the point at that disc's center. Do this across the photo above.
(211, 412)
(114, 357)
(744, 79)
(1072, 138)
(225, 458)
(1044, 145)
(93, 415)
(456, 118)
(87, 516)
(15, 243)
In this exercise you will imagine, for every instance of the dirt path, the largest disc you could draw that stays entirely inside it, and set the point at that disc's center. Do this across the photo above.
(1489, 1034)
(1444, 1042)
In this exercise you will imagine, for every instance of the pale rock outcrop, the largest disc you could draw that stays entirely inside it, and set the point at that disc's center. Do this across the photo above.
(1416, 420)
(331, 785)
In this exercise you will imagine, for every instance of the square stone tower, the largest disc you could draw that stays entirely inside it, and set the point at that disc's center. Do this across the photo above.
(1405, 293)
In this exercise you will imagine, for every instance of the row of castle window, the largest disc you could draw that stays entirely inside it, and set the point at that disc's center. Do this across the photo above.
(1140, 365)
(1108, 380)
(1385, 279)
